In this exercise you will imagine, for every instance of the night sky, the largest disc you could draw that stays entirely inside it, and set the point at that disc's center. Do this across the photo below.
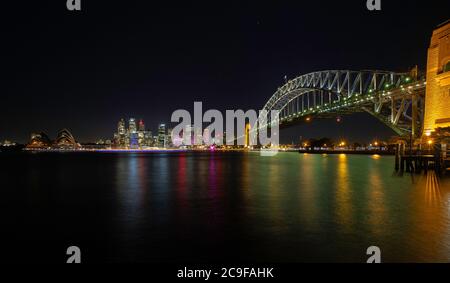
(85, 70)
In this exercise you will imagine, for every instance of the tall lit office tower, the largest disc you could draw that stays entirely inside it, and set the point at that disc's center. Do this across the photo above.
(121, 133)
(121, 127)
(148, 138)
(132, 126)
(187, 135)
(162, 135)
(141, 126)
(141, 133)
(247, 134)
(134, 141)
(169, 142)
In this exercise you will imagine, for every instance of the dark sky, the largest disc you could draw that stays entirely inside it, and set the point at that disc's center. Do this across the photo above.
(144, 59)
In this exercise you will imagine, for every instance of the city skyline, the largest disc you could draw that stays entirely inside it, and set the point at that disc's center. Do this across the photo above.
(155, 65)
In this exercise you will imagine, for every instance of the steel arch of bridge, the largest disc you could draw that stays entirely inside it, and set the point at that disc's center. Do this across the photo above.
(396, 99)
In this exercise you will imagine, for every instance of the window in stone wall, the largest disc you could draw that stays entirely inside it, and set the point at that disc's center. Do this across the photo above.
(447, 67)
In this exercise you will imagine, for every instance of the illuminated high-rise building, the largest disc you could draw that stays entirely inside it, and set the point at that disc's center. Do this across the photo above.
(134, 141)
(141, 133)
(141, 125)
(132, 126)
(121, 136)
(169, 142)
(148, 138)
(162, 135)
(247, 134)
(121, 127)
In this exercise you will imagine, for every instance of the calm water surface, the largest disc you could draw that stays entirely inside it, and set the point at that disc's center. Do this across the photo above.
(220, 207)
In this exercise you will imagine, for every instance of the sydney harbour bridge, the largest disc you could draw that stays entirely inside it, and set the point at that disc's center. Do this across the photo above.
(412, 105)
(395, 99)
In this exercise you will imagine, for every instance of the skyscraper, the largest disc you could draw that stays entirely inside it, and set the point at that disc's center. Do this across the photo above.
(132, 126)
(121, 127)
(141, 133)
(162, 135)
(148, 138)
(141, 125)
(121, 137)
(169, 142)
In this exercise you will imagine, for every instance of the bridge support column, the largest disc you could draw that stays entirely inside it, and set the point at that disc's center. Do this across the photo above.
(397, 157)
(415, 115)
(402, 155)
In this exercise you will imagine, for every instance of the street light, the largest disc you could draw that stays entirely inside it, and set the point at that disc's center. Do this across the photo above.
(430, 142)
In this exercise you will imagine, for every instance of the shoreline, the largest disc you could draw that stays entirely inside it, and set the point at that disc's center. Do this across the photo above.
(163, 150)
(354, 152)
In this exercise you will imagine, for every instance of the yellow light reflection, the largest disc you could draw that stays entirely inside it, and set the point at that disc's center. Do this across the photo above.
(432, 189)
(377, 205)
(343, 197)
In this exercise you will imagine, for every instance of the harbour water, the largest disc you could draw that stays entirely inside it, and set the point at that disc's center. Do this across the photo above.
(220, 207)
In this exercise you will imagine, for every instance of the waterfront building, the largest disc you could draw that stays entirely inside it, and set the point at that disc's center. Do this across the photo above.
(142, 134)
(121, 127)
(141, 125)
(148, 138)
(169, 142)
(134, 141)
(121, 136)
(8, 143)
(162, 135)
(132, 126)
(39, 141)
(437, 105)
(64, 140)
(247, 134)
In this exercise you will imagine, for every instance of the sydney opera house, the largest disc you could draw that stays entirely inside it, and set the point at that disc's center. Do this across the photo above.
(64, 140)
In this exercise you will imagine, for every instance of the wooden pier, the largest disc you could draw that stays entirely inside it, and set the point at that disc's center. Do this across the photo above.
(417, 161)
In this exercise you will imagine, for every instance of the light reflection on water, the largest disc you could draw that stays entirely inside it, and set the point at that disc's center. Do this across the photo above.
(347, 202)
(241, 206)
